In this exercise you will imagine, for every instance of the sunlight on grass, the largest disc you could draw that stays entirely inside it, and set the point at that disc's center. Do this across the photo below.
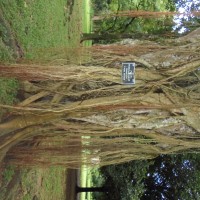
(6, 53)
(85, 178)
(43, 27)
(46, 183)
(37, 24)
(87, 25)
(85, 181)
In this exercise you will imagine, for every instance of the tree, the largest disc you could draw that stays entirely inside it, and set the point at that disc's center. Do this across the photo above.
(130, 17)
(165, 177)
(74, 115)
(92, 189)
(173, 177)
(126, 179)
(144, 17)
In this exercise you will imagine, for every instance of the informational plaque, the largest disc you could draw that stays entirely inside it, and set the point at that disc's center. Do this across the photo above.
(128, 72)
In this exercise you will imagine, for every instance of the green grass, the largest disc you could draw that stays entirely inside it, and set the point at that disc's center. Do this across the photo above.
(6, 53)
(85, 174)
(8, 87)
(8, 90)
(46, 183)
(85, 181)
(90, 177)
(34, 23)
(8, 173)
(7, 43)
(42, 28)
(54, 178)
(87, 15)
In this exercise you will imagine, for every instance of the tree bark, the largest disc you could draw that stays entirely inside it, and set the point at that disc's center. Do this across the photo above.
(160, 114)
(92, 189)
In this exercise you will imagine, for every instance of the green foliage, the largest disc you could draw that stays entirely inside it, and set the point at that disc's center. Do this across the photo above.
(170, 26)
(6, 54)
(174, 177)
(6, 41)
(165, 177)
(7, 176)
(187, 23)
(8, 90)
(99, 6)
(8, 173)
(115, 5)
(130, 24)
(27, 196)
(98, 180)
(9, 44)
(126, 180)
(97, 177)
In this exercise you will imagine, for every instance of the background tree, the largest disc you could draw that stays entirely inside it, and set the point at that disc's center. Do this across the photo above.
(173, 177)
(113, 21)
(118, 20)
(126, 179)
(165, 177)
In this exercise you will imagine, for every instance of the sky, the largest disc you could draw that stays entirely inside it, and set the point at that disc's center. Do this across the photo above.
(185, 7)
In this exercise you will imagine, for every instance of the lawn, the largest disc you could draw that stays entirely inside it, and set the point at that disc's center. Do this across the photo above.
(87, 25)
(38, 183)
(39, 31)
(85, 181)
(41, 28)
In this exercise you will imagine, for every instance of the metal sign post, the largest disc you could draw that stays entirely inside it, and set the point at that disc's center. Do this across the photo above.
(128, 72)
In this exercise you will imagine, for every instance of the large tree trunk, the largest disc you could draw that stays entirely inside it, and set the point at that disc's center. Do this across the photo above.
(115, 123)
(92, 189)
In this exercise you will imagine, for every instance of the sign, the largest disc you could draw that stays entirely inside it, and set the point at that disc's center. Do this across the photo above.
(128, 72)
